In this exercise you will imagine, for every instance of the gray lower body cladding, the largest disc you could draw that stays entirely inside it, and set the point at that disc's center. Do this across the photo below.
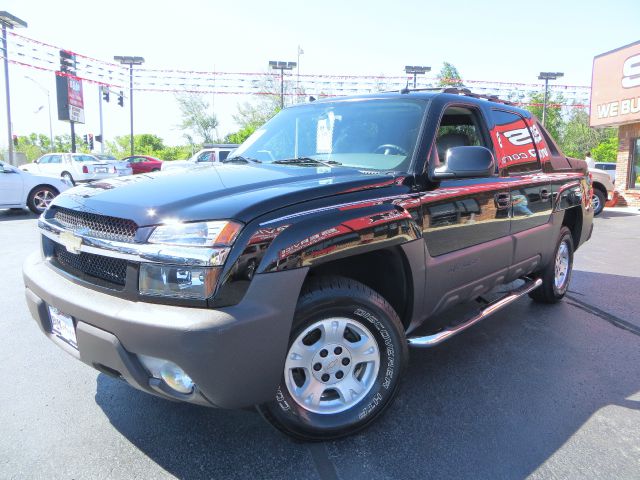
(234, 354)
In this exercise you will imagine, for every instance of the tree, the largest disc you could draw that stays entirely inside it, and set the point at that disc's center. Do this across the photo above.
(35, 145)
(606, 151)
(449, 76)
(198, 124)
(143, 144)
(578, 137)
(553, 122)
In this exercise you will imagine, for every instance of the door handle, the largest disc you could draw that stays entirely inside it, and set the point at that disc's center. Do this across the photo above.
(503, 201)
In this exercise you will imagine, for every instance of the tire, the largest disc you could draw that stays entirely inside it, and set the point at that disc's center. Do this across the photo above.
(598, 200)
(40, 198)
(556, 276)
(69, 177)
(345, 395)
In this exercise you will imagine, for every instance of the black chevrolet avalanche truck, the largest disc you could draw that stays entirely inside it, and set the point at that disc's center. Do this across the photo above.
(295, 275)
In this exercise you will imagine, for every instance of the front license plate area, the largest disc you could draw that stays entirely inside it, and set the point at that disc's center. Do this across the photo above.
(62, 326)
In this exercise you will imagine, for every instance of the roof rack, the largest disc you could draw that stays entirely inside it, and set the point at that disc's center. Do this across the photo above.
(458, 91)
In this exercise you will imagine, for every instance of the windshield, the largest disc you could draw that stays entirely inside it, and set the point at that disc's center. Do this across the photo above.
(106, 157)
(378, 134)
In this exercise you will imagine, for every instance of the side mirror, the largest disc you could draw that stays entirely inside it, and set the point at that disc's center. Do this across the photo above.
(465, 162)
(37, 160)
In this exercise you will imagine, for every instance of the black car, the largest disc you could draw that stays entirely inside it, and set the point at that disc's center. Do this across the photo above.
(296, 276)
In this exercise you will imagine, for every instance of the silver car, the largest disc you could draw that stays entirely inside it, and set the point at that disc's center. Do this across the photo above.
(122, 166)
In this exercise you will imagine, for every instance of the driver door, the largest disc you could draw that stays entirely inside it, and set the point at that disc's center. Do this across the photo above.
(466, 222)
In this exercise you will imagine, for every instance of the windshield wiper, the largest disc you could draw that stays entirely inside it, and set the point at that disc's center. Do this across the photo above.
(240, 159)
(307, 161)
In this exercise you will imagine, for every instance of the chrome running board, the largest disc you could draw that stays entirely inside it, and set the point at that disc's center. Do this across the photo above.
(443, 335)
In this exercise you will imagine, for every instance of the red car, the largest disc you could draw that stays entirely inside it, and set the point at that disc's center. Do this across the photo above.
(144, 163)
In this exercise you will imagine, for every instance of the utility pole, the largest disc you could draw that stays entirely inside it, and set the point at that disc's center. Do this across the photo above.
(300, 52)
(11, 21)
(546, 76)
(416, 70)
(131, 61)
(101, 93)
(282, 66)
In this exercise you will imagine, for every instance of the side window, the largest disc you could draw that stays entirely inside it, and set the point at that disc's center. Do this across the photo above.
(460, 127)
(55, 158)
(204, 157)
(223, 154)
(44, 160)
(512, 137)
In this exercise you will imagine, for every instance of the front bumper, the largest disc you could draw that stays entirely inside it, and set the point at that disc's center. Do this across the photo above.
(234, 355)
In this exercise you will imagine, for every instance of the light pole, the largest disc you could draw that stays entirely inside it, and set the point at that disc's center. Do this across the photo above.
(11, 21)
(131, 61)
(416, 70)
(46, 90)
(546, 76)
(282, 66)
(300, 52)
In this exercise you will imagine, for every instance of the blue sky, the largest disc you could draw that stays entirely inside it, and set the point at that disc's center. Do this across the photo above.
(492, 40)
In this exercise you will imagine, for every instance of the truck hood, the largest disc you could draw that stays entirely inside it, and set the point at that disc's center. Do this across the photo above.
(240, 192)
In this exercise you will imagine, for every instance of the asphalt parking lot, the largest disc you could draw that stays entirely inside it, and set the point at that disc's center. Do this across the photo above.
(539, 391)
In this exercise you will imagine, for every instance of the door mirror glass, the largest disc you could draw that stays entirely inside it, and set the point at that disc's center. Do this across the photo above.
(466, 162)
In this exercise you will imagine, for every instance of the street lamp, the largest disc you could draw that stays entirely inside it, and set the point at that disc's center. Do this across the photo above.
(546, 76)
(131, 61)
(11, 21)
(46, 90)
(282, 66)
(416, 70)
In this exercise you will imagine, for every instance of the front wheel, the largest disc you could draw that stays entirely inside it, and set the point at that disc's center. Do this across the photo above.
(40, 198)
(557, 274)
(598, 200)
(345, 357)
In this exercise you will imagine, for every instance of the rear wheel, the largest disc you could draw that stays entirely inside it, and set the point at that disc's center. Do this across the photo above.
(557, 274)
(346, 354)
(40, 198)
(67, 176)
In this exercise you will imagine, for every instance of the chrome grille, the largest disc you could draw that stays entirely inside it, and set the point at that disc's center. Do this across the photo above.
(113, 270)
(94, 225)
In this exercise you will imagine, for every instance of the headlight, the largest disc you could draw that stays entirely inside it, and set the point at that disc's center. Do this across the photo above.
(196, 234)
(196, 283)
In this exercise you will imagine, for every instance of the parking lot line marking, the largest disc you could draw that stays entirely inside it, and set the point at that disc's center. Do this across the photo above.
(612, 319)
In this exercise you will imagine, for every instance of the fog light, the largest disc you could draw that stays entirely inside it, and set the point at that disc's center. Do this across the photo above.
(176, 378)
(169, 372)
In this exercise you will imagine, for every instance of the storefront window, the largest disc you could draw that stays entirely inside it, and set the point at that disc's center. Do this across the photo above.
(634, 171)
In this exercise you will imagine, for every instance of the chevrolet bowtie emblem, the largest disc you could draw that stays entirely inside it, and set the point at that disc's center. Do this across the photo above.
(71, 242)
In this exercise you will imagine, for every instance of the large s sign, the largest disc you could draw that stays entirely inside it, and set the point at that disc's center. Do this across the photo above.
(631, 72)
(615, 87)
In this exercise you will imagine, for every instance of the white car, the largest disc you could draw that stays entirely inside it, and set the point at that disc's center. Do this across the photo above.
(206, 156)
(603, 189)
(19, 189)
(75, 167)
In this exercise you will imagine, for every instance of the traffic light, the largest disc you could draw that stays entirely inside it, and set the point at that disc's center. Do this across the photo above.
(67, 62)
(91, 141)
(15, 140)
(121, 99)
(99, 138)
(105, 93)
(86, 140)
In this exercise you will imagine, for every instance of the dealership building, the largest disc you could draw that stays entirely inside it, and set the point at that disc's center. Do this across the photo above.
(615, 102)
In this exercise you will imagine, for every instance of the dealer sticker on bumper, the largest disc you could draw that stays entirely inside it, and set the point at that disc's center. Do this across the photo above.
(62, 326)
